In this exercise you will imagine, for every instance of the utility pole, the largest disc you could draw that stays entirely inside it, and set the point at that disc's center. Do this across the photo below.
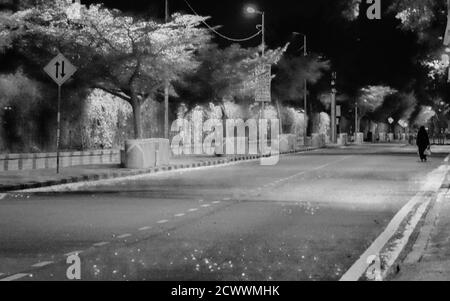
(263, 51)
(263, 46)
(333, 109)
(166, 86)
(305, 93)
(356, 120)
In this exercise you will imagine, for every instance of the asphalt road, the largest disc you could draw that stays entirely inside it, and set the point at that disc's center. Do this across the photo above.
(308, 218)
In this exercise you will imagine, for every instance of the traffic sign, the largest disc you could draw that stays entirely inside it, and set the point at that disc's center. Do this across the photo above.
(263, 75)
(60, 69)
(391, 120)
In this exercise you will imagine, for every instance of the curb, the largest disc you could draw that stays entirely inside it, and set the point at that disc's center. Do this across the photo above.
(123, 174)
(414, 250)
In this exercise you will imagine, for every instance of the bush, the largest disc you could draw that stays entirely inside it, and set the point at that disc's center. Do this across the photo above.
(106, 121)
(20, 98)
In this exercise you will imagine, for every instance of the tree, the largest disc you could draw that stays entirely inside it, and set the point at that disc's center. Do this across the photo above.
(225, 74)
(291, 73)
(125, 56)
(371, 99)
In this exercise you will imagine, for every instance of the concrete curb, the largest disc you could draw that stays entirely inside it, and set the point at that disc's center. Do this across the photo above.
(123, 174)
(413, 252)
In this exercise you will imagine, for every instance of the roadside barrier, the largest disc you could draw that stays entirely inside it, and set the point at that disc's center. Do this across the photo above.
(16, 162)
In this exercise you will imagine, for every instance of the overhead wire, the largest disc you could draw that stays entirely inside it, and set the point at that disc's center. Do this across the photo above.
(218, 33)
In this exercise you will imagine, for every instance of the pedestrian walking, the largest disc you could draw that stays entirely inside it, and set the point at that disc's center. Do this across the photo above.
(423, 143)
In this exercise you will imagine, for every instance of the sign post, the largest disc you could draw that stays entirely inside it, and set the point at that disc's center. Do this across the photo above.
(60, 70)
(333, 109)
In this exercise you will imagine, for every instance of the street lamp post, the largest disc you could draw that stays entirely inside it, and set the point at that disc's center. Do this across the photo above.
(166, 85)
(356, 120)
(251, 10)
(305, 88)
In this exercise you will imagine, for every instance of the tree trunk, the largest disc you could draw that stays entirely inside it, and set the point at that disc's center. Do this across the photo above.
(137, 122)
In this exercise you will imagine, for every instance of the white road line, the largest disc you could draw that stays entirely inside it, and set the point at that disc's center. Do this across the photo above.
(205, 206)
(434, 180)
(42, 264)
(164, 221)
(193, 210)
(87, 184)
(14, 277)
(180, 214)
(216, 202)
(101, 244)
(73, 253)
(124, 236)
(144, 228)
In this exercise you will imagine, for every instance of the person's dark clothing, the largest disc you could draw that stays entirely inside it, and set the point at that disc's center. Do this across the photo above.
(423, 143)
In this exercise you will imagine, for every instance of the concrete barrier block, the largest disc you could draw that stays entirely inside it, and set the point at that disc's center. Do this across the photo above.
(359, 138)
(343, 139)
(318, 140)
(390, 137)
(147, 153)
(27, 164)
(12, 165)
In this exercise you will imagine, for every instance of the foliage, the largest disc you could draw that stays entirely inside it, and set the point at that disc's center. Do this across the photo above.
(125, 56)
(424, 116)
(104, 122)
(19, 99)
(292, 71)
(225, 74)
(399, 106)
(371, 98)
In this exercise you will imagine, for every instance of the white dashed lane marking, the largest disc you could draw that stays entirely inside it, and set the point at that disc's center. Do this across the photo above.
(101, 244)
(164, 221)
(124, 236)
(14, 277)
(193, 210)
(144, 228)
(216, 202)
(205, 206)
(42, 264)
(180, 215)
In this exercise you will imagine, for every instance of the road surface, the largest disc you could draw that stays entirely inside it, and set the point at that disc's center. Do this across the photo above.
(308, 218)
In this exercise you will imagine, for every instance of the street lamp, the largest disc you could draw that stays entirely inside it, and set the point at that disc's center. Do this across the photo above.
(305, 85)
(251, 10)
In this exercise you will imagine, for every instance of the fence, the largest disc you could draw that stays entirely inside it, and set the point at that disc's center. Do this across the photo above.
(14, 162)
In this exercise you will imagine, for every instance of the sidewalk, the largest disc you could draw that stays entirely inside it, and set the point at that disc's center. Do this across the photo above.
(429, 259)
(30, 179)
